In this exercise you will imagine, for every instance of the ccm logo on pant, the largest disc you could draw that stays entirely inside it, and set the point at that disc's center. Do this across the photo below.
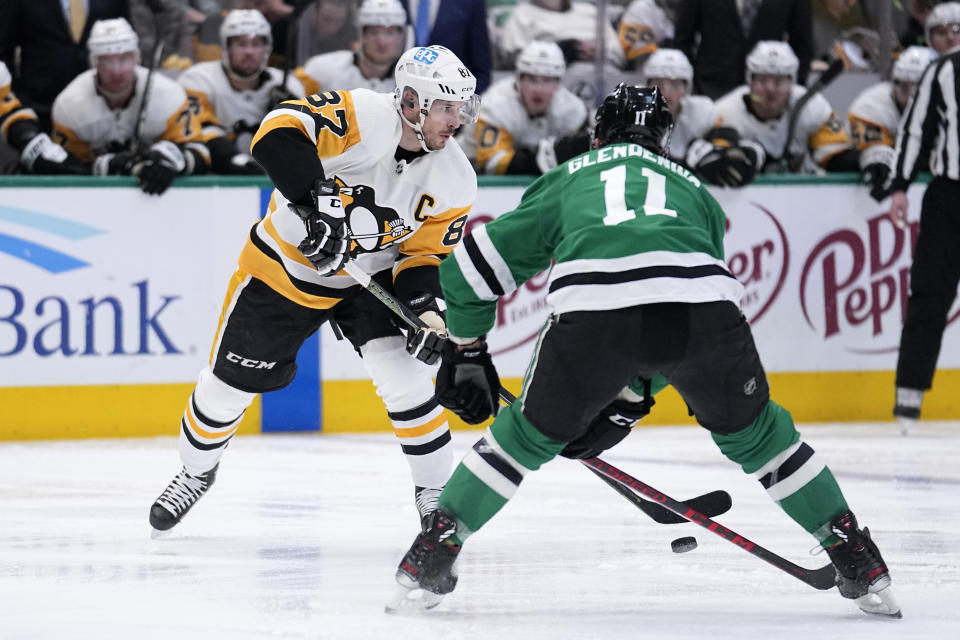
(247, 362)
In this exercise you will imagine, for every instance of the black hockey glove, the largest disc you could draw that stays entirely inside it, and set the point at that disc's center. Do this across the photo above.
(426, 343)
(728, 166)
(243, 164)
(113, 164)
(610, 427)
(467, 382)
(876, 163)
(326, 245)
(280, 94)
(163, 162)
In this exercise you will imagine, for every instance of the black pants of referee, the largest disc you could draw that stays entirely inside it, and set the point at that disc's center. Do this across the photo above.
(933, 284)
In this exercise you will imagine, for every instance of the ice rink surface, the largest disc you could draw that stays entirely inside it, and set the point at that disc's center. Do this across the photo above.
(301, 535)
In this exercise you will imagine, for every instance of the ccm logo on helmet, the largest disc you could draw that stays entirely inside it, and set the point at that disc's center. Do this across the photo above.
(425, 56)
(247, 362)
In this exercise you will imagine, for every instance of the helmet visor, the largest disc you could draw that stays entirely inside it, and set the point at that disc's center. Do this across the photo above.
(467, 111)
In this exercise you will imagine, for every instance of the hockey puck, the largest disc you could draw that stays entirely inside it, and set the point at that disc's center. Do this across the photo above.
(682, 545)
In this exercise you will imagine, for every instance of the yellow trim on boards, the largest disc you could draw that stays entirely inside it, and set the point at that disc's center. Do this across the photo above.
(832, 396)
(100, 411)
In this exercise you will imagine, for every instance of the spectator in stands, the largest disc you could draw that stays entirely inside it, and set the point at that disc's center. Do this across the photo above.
(644, 25)
(325, 26)
(728, 29)
(761, 112)
(916, 17)
(942, 28)
(875, 116)
(168, 19)
(51, 36)
(530, 122)
(460, 26)
(20, 129)
(231, 96)
(370, 64)
(106, 117)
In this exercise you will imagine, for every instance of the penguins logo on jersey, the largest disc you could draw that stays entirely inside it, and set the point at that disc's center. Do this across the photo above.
(372, 227)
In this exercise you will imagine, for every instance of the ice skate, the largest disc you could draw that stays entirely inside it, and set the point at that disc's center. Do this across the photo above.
(907, 408)
(862, 575)
(426, 499)
(177, 499)
(427, 571)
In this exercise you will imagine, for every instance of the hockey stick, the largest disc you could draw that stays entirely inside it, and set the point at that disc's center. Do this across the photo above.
(713, 503)
(823, 578)
(156, 8)
(828, 76)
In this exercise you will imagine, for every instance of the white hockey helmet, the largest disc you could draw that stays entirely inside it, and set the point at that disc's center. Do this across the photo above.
(774, 57)
(244, 22)
(542, 58)
(942, 14)
(109, 37)
(381, 13)
(668, 63)
(434, 73)
(912, 63)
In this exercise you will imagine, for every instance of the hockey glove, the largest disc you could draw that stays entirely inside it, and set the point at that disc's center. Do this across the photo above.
(113, 164)
(163, 162)
(426, 343)
(467, 381)
(326, 245)
(280, 94)
(611, 426)
(44, 156)
(243, 164)
(875, 163)
(733, 166)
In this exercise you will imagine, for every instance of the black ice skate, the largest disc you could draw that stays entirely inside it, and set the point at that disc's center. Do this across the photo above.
(179, 496)
(426, 499)
(427, 571)
(862, 574)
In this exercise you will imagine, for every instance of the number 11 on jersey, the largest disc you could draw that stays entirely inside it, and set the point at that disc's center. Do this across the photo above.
(615, 195)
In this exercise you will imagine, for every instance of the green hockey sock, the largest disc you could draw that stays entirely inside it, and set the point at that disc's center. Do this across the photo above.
(491, 472)
(788, 468)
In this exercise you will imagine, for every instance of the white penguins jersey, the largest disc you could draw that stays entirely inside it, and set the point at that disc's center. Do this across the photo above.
(874, 117)
(400, 215)
(818, 136)
(339, 70)
(504, 125)
(698, 116)
(86, 126)
(223, 110)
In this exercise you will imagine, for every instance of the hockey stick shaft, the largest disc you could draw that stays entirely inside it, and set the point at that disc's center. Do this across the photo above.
(715, 502)
(156, 8)
(822, 578)
(828, 76)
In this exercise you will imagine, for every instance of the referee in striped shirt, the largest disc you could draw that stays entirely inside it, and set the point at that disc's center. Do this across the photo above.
(929, 130)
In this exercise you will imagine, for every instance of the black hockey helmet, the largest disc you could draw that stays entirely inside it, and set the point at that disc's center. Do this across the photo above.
(634, 114)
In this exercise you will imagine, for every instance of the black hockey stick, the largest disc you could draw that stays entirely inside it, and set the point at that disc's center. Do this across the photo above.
(823, 578)
(829, 75)
(713, 503)
(156, 8)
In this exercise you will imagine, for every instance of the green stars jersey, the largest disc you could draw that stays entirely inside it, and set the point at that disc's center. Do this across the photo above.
(625, 227)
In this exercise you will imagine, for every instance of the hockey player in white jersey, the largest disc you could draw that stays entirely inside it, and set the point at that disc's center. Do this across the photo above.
(942, 27)
(699, 140)
(383, 37)
(530, 121)
(644, 25)
(760, 111)
(231, 96)
(96, 115)
(369, 177)
(875, 114)
(20, 128)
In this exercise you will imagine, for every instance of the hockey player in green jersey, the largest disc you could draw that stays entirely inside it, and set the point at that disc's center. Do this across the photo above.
(639, 290)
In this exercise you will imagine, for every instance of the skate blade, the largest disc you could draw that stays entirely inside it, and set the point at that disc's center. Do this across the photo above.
(882, 603)
(411, 600)
(157, 534)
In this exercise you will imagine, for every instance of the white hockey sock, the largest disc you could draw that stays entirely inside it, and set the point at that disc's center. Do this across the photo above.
(210, 420)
